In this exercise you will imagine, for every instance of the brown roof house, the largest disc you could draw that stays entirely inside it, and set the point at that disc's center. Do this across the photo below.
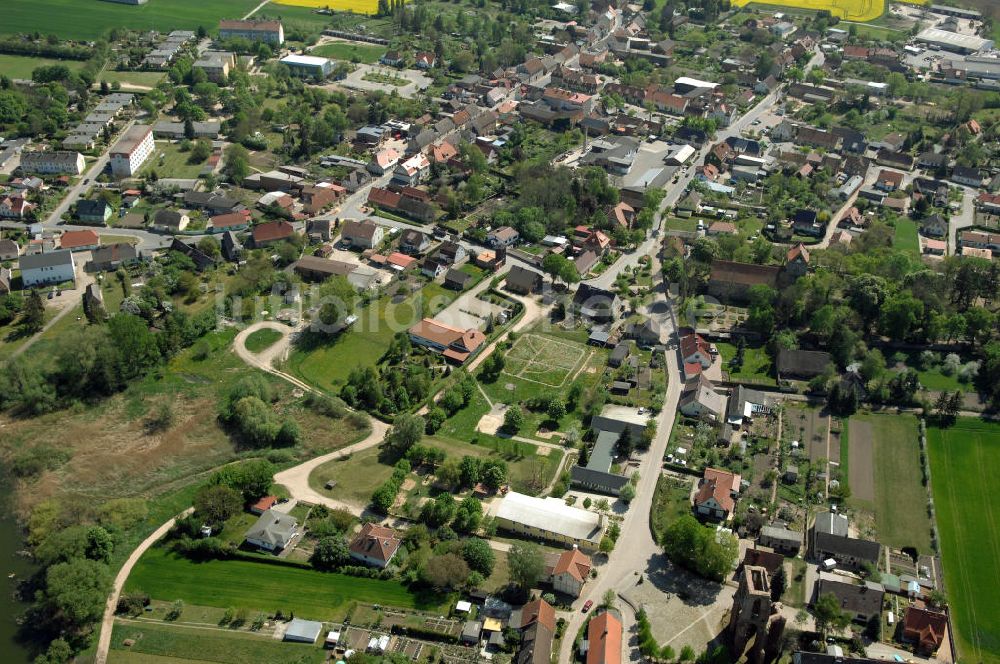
(731, 281)
(456, 345)
(568, 571)
(270, 232)
(925, 628)
(538, 628)
(364, 234)
(717, 492)
(522, 280)
(375, 545)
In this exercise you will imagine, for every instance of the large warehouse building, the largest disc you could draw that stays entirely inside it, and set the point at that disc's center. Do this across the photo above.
(953, 41)
(550, 519)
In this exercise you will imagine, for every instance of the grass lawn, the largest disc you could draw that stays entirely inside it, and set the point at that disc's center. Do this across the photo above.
(964, 463)
(144, 78)
(367, 53)
(900, 498)
(261, 339)
(756, 363)
(264, 587)
(169, 162)
(21, 66)
(325, 361)
(71, 19)
(671, 500)
(905, 237)
(678, 224)
(163, 642)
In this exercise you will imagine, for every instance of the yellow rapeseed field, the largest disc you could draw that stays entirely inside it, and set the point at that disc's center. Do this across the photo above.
(356, 6)
(851, 10)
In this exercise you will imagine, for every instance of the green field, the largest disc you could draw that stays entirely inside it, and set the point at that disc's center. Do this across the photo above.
(264, 587)
(368, 53)
(21, 66)
(900, 507)
(965, 460)
(73, 19)
(756, 363)
(146, 79)
(905, 237)
(261, 339)
(166, 643)
(325, 362)
(169, 162)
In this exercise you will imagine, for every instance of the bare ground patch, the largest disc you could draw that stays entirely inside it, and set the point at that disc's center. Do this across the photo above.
(861, 453)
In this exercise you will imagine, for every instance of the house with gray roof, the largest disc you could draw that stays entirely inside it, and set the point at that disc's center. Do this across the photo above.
(780, 539)
(51, 267)
(272, 531)
(596, 475)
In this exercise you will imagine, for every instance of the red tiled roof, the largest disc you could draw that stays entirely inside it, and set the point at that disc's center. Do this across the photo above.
(573, 562)
(272, 230)
(796, 251)
(264, 504)
(538, 611)
(375, 541)
(231, 219)
(925, 627)
(604, 635)
(74, 239)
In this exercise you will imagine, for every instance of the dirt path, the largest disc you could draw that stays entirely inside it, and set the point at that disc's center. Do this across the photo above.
(107, 623)
(256, 9)
(861, 454)
(264, 359)
(70, 298)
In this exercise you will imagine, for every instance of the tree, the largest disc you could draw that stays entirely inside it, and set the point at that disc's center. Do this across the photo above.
(237, 163)
(201, 151)
(560, 268)
(33, 316)
(468, 516)
(526, 564)
(610, 598)
(479, 555)
(447, 571)
(689, 544)
(217, 503)
(250, 478)
(407, 430)
(828, 614)
(513, 419)
(556, 410)
(627, 493)
(330, 553)
(625, 445)
(75, 592)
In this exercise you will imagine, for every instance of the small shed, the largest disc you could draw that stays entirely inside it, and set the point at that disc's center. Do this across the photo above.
(791, 475)
(303, 631)
(463, 606)
(471, 631)
(332, 639)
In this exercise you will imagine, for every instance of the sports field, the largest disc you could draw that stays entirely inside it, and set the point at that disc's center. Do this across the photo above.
(262, 587)
(543, 360)
(851, 10)
(356, 6)
(86, 19)
(965, 462)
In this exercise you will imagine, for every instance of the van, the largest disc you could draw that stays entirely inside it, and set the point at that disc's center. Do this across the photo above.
(828, 564)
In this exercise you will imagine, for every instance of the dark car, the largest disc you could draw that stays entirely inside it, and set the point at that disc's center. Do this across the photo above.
(587, 605)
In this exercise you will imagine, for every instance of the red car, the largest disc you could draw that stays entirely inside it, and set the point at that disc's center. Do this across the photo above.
(589, 603)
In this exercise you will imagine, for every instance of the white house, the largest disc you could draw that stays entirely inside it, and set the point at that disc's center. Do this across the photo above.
(412, 171)
(53, 162)
(131, 151)
(273, 531)
(53, 267)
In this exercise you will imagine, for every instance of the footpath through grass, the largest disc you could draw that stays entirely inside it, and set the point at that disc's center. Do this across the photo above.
(965, 461)
(266, 587)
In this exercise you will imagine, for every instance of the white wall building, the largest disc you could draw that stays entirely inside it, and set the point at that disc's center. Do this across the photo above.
(53, 162)
(53, 267)
(131, 151)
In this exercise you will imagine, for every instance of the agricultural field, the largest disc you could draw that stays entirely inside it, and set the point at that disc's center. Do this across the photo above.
(964, 461)
(356, 6)
(851, 10)
(163, 643)
(21, 66)
(884, 478)
(263, 587)
(543, 360)
(366, 53)
(905, 237)
(71, 19)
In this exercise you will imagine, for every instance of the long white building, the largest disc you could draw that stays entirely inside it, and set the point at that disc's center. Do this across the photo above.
(550, 519)
(49, 162)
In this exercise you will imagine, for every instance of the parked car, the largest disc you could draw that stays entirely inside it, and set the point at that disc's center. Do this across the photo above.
(586, 607)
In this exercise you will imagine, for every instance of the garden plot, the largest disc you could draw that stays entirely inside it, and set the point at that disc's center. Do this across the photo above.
(543, 360)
